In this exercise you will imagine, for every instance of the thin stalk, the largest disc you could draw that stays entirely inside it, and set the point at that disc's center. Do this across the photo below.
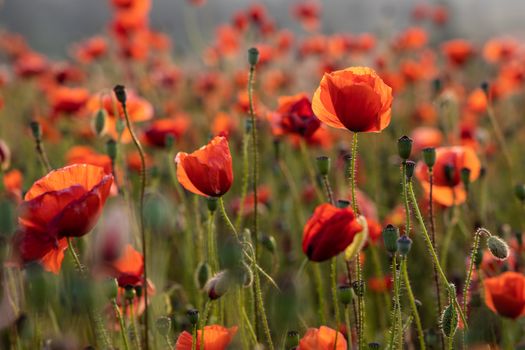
(310, 169)
(212, 248)
(194, 337)
(120, 319)
(39, 146)
(255, 158)
(395, 316)
(134, 325)
(321, 310)
(328, 189)
(245, 178)
(468, 279)
(348, 329)
(141, 210)
(413, 305)
(333, 279)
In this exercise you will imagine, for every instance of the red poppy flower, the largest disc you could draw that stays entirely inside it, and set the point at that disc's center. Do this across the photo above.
(424, 137)
(128, 269)
(500, 50)
(86, 155)
(295, 116)
(329, 231)
(505, 294)
(448, 188)
(157, 133)
(13, 181)
(458, 51)
(355, 98)
(308, 13)
(215, 338)
(207, 171)
(322, 338)
(64, 99)
(91, 49)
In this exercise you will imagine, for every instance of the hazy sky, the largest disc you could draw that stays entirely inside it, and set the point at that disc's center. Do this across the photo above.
(50, 25)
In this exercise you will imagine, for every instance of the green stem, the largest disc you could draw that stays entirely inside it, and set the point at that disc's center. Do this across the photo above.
(141, 210)
(468, 279)
(212, 249)
(320, 293)
(396, 306)
(118, 314)
(194, 338)
(134, 325)
(348, 329)
(255, 158)
(413, 305)
(333, 279)
(203, 322)
(245, 177)
(433, 254)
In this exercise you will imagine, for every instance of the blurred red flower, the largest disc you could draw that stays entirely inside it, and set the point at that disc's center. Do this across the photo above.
(322, 338)
(505, 294)
(215, 338)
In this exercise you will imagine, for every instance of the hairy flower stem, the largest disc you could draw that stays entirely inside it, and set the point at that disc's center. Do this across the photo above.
(359, 272)
(255, 157)
(468, 279)
(395, 316)
(134, 329)
(120, 319)
(141, 221)
(328, 189)
(348, 328)
(212, 244)
(413, 305)
(245, 178)
(432, 221)
(333, 279)
(320, 293)
(39, 146)
(310, 169)
(433, 254)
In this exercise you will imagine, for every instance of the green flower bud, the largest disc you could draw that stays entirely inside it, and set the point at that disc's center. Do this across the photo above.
(374, 346)
(404, 147)
(404, 243)
(429, 156)
(343, 203)
(36, 129)
(100, 122)
(436, 85)
(346, 294)
(138, 291)
(170, 141)
(193, 316)
(202, 274)
(163, 325)
(292, 340)
(449, 321)
(120, 93)
(269, 243)
(218, 285)
(111, 149)
(253, 56)
(129, 292)
(498, 247)
(323, 165)
(390, 237)
(450, 173)
(111, 288)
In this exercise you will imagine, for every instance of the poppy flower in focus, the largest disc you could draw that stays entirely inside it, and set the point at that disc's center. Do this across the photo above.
(457, 51)
(448, 188)
(329, 231)
(355, 98)
(160, 129)
(294, 116)
(215, 338)
(322, 338)
(505, 294)
(65, 203)
(207, 171)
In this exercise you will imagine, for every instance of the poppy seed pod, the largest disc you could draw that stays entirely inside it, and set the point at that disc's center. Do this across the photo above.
(410, 166)
(404, 243)
(390, 237)
(343, 203)
(100, 122)
(498, 247)
(404, 147)
(5, 156)
(359, 288)
(519, 191)
(323, 165)
(163, 325)
(437, 85)
(218, 285)
(111, 149)
(129, 292)
(429, 156)
(292, 340)
(212, 204)
(193, 316)
(36, 129)
(449, 321)
(253, 56)
(374, 346)
(169, 141)
(346, 294)
(120, 93)
(450, 173)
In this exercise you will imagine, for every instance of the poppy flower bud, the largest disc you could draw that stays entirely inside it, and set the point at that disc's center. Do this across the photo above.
(129, 292)
(410, 166)
(498, 247)
(292, 340)
(390, 237)
(345, 294)
(193, 316)
(111, 149)
(359, 288)
(404, 147)
(253, 56)
(5, 156)
(449, 321)
(100, 122)
(36, 129)
(202, 274)
(485, 86)
(343, 203)
(429, 156)
(212, 204)
(120, 93)
(218, 285)
(519, 191)
(163, 325)
(374, 346)
(404, 243)
(111, 288)
(268, 242)
(465, 177)
(323, 165)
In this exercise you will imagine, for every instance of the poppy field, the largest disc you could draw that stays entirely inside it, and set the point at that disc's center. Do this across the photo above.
(264, 187)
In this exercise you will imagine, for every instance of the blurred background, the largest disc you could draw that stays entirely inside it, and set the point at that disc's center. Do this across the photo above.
(43, 22)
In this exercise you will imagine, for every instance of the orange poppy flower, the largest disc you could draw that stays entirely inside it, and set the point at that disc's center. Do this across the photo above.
(500, 50)
(91, 49)
(13, 181)
(424, 137)
(477, 101)
(223, 124)
(322, 338)
(160, 129)
(411, 39)
(448, 188)
(457, 51)
(215, 338)
(329, 231)
(294, 116)
(65, 203)
(30, 64)
(86, 155)
(207, 171)
(68, 100)
(355, 98)
(128, 269)
(505, 294)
